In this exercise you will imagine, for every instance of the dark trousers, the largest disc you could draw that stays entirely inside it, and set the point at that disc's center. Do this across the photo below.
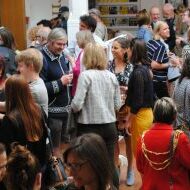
(58, 130)
(109, 133)
(160, 89)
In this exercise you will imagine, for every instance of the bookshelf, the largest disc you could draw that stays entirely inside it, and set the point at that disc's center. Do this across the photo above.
(119, 14)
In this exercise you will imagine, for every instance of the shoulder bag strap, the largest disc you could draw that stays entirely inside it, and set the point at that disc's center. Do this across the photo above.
(47, 130)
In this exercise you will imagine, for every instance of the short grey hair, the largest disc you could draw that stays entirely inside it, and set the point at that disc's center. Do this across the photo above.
(57, 34)
(84, 37)
(165, 110)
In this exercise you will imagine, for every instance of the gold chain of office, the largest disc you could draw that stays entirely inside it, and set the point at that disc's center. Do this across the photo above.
(167, 161)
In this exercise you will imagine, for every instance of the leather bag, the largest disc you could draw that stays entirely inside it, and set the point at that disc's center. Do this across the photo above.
(54, 174)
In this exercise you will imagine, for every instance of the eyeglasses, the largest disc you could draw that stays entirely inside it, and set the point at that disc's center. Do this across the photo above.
(75, 166)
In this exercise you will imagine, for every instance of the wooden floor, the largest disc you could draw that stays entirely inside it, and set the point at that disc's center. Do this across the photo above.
(123, 171)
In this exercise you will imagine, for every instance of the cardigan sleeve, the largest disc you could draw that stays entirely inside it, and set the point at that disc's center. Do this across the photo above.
(81, 91)
(117, 97)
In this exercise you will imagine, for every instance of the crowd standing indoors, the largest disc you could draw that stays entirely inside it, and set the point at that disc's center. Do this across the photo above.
(128, 95)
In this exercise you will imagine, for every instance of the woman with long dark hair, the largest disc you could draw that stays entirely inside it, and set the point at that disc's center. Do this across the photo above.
(140, 92)
(122, 69)
(23, 121)
(87, 161)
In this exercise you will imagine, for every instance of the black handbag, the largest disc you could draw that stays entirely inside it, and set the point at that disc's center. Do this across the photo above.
(54, 174)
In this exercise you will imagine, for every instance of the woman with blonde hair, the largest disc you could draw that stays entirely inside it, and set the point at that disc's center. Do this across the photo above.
(96, 99)
(158, 58)
(23, 120)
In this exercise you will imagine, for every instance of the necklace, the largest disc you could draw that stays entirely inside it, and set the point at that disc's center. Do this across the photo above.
(166, 162)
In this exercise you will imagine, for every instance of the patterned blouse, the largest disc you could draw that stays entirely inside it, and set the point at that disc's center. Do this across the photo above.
(122, 77)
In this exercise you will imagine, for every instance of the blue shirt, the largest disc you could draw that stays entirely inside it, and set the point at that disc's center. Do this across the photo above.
(144, 34)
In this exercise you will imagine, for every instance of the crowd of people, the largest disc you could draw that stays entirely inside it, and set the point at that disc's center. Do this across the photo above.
(141, 93)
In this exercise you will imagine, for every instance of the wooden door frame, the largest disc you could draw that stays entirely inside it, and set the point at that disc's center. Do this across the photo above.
(12, 14)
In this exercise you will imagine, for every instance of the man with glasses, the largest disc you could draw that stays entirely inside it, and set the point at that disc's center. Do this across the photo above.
(55, 73)
(154, 15)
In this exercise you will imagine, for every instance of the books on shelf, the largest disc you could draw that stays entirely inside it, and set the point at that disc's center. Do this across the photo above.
(120, 9)
(120, 13)
(114, 21)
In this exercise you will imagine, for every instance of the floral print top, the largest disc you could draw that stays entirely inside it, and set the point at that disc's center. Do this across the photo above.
(122, 77)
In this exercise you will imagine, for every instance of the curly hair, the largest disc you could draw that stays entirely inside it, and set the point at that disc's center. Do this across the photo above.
(22, 168)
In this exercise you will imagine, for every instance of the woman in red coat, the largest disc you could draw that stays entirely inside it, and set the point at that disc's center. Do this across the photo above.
(163, 155)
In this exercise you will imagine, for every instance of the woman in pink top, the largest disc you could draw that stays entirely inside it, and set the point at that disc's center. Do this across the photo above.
(83, 38)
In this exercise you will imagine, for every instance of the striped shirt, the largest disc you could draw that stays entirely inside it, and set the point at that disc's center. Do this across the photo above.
(157, 52)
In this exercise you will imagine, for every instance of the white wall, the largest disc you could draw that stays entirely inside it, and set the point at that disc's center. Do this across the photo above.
(37, 10)
(148, 4)
(65, 2)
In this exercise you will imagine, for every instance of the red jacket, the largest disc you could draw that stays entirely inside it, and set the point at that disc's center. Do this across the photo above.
(158, 139)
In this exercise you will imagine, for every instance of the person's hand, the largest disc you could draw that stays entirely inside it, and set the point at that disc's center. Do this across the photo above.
(67, 79)
(175, 61)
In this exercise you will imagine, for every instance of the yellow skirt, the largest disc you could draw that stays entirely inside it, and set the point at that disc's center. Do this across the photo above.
(141, 122)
